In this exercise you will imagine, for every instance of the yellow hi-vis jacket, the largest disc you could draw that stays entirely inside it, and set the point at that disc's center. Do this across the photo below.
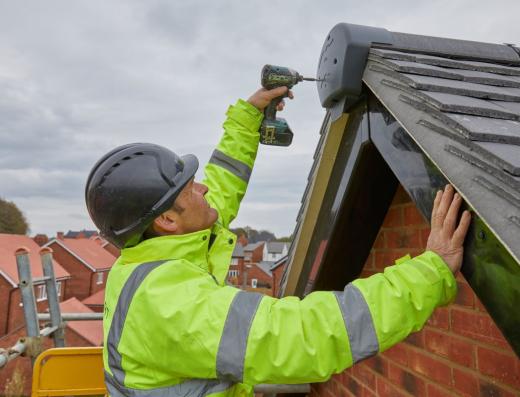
(173, 328)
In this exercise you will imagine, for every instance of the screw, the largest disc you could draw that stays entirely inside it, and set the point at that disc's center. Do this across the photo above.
(481, 235)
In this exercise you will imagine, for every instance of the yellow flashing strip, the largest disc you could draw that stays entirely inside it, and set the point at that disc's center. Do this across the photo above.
(313, 203)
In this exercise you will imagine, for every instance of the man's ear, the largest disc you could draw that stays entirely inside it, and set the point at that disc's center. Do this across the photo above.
(166, 223)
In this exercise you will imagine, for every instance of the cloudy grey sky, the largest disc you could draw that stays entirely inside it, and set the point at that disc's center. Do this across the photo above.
(80, 77)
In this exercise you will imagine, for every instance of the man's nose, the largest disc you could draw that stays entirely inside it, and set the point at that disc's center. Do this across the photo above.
(201, 188)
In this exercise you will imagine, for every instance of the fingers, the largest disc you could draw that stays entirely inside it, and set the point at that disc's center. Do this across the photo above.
(280, 106)
(444, 205)
(276, 92)
(451, 217)
(436, 202)
(462, 229)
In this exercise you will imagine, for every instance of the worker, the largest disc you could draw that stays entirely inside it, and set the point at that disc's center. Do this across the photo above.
(172, 327)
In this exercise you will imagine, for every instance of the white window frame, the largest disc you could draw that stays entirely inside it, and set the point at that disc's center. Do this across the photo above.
(100, 277)
(42, 293)
(58, 288)
(233, 273)
(254, 282)
(234, 261)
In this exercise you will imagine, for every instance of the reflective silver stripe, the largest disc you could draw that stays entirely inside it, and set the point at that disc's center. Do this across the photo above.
(118, 320)
(358, 321)
(190, 388)
(115, 383)
(236, 167)
(233, 343)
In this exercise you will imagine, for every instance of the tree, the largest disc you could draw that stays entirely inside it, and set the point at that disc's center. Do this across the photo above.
(254, 236)
(12, 219)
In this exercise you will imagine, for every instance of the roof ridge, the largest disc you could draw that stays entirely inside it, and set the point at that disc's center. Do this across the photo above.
(453, 48)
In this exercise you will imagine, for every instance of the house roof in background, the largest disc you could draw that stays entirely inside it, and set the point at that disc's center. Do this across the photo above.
(276, 247)
(97, 299)
(92, 331)
(465, 116)
(238, 251)
(253, 246)
(265, 266)
(279, 263)
(9, 243)
(87, 251)
(85, 233)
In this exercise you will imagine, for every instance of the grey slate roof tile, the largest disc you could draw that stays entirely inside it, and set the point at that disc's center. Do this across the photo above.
(471, 76)
(475, 107)
(447, 62)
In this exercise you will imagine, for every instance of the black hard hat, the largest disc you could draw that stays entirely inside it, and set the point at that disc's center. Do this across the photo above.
(133, 184)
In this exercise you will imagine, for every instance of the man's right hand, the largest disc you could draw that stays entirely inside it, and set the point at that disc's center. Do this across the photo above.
(447, 233)
(263, 97)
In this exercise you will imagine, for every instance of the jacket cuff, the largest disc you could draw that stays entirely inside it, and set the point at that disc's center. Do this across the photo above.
(445, 274)
(246, 115)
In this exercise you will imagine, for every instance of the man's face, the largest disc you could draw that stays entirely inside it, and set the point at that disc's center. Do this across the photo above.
(192, 210)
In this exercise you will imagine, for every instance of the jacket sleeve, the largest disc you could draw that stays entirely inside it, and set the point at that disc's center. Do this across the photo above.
(229, 168)
(297, 341)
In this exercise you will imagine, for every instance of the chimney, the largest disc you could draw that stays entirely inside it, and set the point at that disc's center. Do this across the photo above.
(59, 236)
(41, 239)
(242, 240)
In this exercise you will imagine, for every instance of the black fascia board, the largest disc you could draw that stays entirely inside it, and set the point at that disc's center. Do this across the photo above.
(357, 197)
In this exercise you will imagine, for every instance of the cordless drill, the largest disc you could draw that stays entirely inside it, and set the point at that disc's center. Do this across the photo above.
(276, 131)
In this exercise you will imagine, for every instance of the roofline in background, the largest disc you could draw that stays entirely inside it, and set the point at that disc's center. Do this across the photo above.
(9, 279)
(70, 252)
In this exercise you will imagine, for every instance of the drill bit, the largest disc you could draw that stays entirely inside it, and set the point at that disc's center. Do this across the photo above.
(311, 79)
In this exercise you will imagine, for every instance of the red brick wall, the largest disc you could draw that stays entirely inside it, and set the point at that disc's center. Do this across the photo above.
(80, 283)
(460, 352)
(13, 318)
(277, 276)
(263, 279)
(94, 286)
(256, 255)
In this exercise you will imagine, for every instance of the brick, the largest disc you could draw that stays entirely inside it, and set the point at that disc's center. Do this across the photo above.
(476, 325)
(369, 263)
(430, 367)
(465, 382)
(412, 216)
(386, 389)
(416, 339)
(500, 366)
(378, 364)
(465, 295)
(425, 233)
(451, 347)
(380, 241)
(403, 238)
(406, 380)
(435, 391)
(394, 217)
(367, 393)
(493, 390)
(365, 375)
(440, 318)
(353, 386)
(383, 259)
(398, 353)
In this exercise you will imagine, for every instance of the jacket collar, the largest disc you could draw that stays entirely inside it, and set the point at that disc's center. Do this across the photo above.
(192, 247)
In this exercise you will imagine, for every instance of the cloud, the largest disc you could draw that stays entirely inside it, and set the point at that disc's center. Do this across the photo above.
(78, 78)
